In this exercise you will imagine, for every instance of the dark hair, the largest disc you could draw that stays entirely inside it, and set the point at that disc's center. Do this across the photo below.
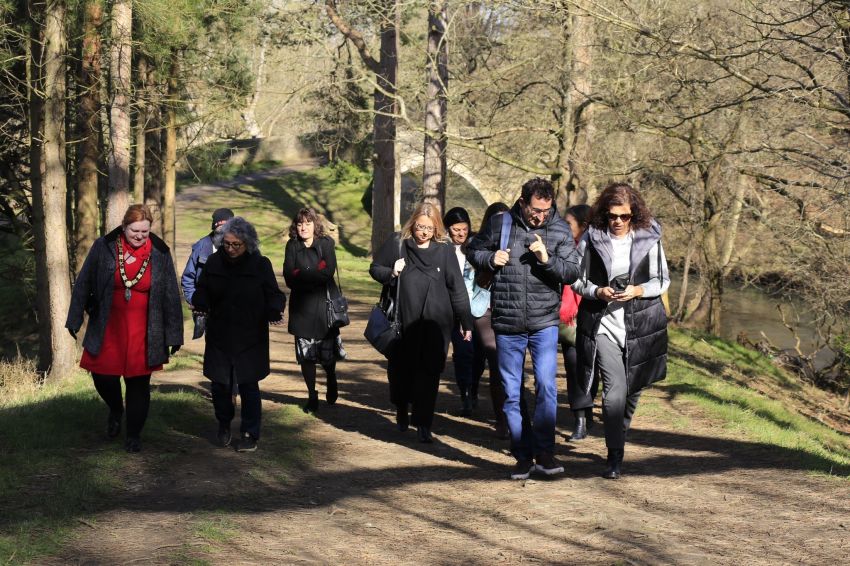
(456, 216)
(307, 214)
(537, 187)
(581, 212)
(493, 209)
(618, 194)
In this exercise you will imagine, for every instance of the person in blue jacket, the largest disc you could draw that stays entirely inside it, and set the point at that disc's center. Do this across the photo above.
(201, 250)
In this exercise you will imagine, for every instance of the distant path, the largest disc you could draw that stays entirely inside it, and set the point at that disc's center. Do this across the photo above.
(371, 495)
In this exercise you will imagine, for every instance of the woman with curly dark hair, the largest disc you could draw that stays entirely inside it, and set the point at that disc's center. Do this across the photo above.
(622, 324)
(308, 269)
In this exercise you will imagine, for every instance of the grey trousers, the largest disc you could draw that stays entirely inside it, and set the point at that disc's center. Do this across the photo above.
(617, 407)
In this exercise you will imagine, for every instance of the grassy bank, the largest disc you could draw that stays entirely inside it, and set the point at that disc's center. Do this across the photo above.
(59, 471)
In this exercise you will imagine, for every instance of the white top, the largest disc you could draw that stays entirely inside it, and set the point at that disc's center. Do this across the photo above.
(461, 258)
(613, 324)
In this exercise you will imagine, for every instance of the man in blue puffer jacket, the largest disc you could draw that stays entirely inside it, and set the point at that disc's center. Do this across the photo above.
(531, 262)
(201, 250)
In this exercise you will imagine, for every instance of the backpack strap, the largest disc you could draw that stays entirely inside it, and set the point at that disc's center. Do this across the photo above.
(505, 235)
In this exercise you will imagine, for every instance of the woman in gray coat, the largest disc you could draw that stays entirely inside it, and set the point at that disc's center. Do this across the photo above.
(621, 323)
(128, 288)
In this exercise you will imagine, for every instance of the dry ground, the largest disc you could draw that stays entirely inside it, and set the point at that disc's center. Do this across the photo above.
(372, 495)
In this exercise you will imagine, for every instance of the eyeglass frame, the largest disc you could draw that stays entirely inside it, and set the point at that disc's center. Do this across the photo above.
(624, 217)
(421, 228)
(232, 245)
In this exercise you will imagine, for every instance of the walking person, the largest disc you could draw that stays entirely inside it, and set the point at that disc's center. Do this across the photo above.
(432, 301)
(238, 292)
(201, 250)
(622, 325)
(468, 363)
(128, 288)
(581, 404)
(308, 269)
(532, 253)
(483, 336)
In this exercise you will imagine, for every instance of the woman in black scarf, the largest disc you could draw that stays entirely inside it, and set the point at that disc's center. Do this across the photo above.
(432, 299)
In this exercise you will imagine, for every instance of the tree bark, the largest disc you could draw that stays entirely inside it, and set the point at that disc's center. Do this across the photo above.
(154, 171)
(386, 186)
(142, 103)
(49, 189)
(434, 165)
(87, 216)
(118, 197)
(249, 116)
(170, 160)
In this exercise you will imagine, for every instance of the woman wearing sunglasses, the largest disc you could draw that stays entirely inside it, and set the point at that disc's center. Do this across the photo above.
(432, 300)
(622, 325)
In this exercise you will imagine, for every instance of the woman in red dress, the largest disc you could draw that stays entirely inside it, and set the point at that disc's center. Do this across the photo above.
(128, 287)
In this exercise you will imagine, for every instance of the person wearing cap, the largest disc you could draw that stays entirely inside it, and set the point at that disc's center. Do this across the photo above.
(201, 250)
(468, 364)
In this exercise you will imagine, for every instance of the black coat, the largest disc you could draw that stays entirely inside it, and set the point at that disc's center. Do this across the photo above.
(309, 272)
(526, 294)
(645, 318)
(433, 300)
(241, 297)
(94, 286)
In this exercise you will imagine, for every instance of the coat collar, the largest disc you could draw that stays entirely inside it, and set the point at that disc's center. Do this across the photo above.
(642, 241)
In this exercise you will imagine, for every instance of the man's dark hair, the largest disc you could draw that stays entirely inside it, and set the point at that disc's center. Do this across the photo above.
(537, 187)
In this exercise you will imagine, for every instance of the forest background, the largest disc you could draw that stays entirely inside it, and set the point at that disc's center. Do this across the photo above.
(732, 118)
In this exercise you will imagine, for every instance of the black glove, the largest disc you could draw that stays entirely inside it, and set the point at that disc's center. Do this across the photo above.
(175, 349)
(72, 333)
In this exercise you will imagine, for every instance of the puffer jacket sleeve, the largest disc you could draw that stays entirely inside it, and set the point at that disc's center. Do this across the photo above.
(563, 264)
(190, 274)
(483, 246)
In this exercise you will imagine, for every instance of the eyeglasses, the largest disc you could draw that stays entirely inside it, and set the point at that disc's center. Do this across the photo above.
(232, 245)
(539, 211)
(624, 217)
(421, 228)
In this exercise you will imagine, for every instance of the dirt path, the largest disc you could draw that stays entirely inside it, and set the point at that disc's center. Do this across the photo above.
(372, 495)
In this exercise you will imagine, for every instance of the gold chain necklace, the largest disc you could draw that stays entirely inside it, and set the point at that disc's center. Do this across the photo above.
(128, 283)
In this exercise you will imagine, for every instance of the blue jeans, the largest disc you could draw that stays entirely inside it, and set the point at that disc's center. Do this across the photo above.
(528, 440)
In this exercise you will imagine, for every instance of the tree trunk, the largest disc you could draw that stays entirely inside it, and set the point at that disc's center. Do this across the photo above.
(170, 161)
(249, 116)
(386, 190)
(686, 274)
(154, 173)
(715, 289)
(49, 189)
(142, 103)
(436, 107)
(87, 216)
(119, 129)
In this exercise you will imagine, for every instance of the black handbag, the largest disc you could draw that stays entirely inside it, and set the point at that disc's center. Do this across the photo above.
(383, 330)
(337, 307)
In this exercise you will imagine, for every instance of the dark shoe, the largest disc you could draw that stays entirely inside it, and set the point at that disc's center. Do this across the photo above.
(332, 394)
(247, 443)
(588, 414)
(522, 469)
(465, 404)
(424, 434)
(502, 430)
(615, 463)
(133, 445)
(580, 432)
(113, 425)
(312, 404)
(548, 465)
(473, 398)
(223, 435)
(402, 419)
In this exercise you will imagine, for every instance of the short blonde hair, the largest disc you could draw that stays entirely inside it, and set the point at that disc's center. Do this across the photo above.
(432, 212)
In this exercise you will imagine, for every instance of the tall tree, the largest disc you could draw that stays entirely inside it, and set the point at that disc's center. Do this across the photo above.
(386, 187)
(119, 128)
(86, 218)
(436, 107)
(170, 154)
(142, 105)
(49, 189)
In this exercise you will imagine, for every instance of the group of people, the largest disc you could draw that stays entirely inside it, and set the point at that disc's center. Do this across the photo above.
(528, 280)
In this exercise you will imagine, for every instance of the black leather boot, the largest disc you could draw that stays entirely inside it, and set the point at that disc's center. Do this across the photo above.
(312, 404)
(424, 434)
(402, 419)
(615, 464)
(466, 405)
(580, 432)
(332, 394)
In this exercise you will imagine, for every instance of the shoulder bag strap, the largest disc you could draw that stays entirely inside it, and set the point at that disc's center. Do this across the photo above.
(505, 235)
(397, 307)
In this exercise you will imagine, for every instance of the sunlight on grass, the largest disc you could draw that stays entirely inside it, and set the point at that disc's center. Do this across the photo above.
(699, 376)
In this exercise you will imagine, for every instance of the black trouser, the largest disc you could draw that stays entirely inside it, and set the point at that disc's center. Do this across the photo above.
(413, 386)
(308, 371)
(251, 406)
(138, 398)
(618, 406)
(485, 342)
(576, 396)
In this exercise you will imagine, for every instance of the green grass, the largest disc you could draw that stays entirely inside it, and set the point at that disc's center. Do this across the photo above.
(713, 375)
